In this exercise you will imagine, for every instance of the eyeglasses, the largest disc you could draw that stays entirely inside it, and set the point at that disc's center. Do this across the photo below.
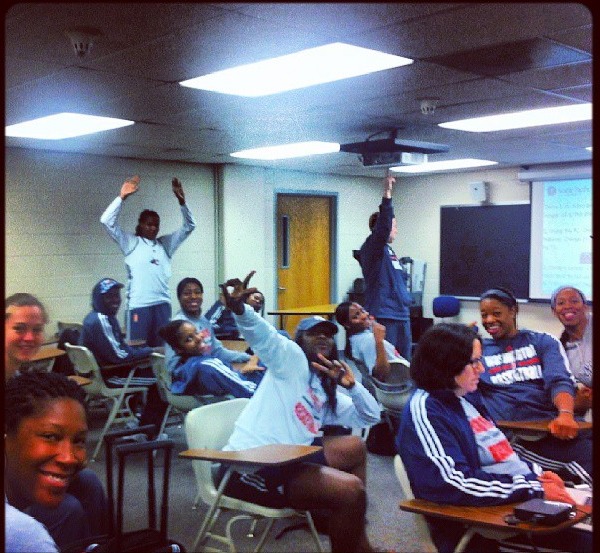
(475, 361)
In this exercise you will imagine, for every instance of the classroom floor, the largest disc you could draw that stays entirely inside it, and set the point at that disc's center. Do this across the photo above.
(389, 529)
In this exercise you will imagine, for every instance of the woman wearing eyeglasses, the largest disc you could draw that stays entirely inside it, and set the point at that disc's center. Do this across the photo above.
(527, 378)
(453, 452)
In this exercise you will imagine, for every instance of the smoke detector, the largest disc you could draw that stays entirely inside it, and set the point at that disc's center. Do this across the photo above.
(428, 105)
(82, 39)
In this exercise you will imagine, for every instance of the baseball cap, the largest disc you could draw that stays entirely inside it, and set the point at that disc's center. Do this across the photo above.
(311, 322)
(107, 284)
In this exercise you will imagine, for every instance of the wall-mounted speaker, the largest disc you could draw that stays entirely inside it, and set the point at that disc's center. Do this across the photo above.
(480, 192)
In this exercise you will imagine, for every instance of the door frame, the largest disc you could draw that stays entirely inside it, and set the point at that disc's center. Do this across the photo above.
(333, 230)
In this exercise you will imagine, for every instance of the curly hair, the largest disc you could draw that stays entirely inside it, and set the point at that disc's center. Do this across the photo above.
(28, 393)
(441, 354)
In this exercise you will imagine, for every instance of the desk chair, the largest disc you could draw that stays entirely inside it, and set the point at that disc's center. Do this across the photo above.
(445, 306)
(179, 403)
(420, 522)
(209, 427)
(394, 392)
(86, 365)
(469, 532)
(62, 325)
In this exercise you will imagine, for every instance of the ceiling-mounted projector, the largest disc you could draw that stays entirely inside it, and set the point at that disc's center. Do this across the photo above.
(384, 159)
(393, 151)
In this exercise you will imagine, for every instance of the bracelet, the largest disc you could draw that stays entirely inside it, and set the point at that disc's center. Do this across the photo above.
(565, 411)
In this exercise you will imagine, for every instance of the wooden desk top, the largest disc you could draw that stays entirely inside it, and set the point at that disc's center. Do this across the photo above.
(45, 354)
(491, 517)
(322, 309)
(81, 380)
(535, 426)
(267, 455)
(235, 345)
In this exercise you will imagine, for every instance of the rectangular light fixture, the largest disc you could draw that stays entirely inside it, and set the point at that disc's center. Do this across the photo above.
(64, 125)
(286, 151)
(313, 66)
(443, 165)
(523, 119)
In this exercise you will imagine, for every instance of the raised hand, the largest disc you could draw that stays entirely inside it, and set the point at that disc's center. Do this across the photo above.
(378, 330)
(178, 190)
(388, 184)
(236, 299)
(336, 370)
(130, 186)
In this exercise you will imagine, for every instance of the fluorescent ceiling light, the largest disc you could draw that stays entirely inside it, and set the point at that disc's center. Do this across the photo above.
(64, 125)
(286, 151)
(523, 119)
(313, 66)
(442, 165)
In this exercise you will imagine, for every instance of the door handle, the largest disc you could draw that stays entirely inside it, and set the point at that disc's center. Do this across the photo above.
(281, 288)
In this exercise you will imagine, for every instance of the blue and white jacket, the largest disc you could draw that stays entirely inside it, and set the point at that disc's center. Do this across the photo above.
(386, 294)
(439, 451)
(208, 335)
(103, 336)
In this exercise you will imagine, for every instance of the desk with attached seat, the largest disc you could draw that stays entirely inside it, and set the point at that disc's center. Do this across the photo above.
(486, 519)
(325, 310)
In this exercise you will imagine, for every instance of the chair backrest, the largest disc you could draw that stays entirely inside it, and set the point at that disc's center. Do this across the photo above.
(446, 306)
(61, 325)
(210, 426)
(396, 390)
(399, 373)
(392, 397)
(420, 523)
(85, 364)
(403, 477)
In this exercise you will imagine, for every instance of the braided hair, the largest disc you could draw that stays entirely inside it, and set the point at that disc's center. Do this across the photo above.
(342, 316)
(27, 394)
(329, 385)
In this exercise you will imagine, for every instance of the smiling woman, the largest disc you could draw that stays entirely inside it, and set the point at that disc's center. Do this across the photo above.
(148, 259)
(453, 452)
(25, 318)
(45, 455)
(526, 378)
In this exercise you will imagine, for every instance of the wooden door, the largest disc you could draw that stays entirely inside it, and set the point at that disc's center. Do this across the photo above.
(303, 253)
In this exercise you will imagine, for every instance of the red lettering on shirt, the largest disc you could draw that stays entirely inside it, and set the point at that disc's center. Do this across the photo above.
(480, 424)
(501, 451)
(526, 362)
(305, 418)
